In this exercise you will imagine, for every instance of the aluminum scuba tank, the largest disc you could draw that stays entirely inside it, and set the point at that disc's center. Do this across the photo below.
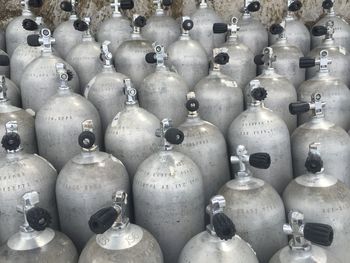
(161, 27)
(340, 56)
(116, 29)
(280, 90)
(219, 243)
(105, 90)
(252, 32)
(169, 195)
(9, 112)
(241, 66)
(129, 58)
(130, 136)
(39, 80)
(221, 99)
(288, 55)
(296, 32)
(85, 56)
(206, 146)
(323, 198)
(85, 183)
(22, 172)
(35, 242)
(335, 140)
(204, 18)
(260, 129)
(255, 205)
(57, 123)
(341, 35)
(65, 34)
(300, 248)
(187, 56)
(112, 242)
(163, 92)
(334, 92)
(15, 33)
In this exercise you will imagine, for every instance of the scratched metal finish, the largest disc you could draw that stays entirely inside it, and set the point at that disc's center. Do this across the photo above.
(20, 173)
(169, 200)
(59, 250)
(258, 213)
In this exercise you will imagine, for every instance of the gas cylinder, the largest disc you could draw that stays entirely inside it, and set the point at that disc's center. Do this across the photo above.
(334, 92)
(288, 55)
(22, 172)
(316, 192)
(65, 34)
(85, 183)
(219, 243)
(204, 18)
(15, 33)
(296, 32)
(161, 27)
(206, 146)
(252, 32)
(112, 242)
(130, 136)
(221, 99)
(105, 90)
(241, 66)
(168, 194)
(163, 92)
(260, 129)
(4, 64)
(9, 112)
(300, 249)
(129, 58)
(279, 89)
(85, 56)
(116, 29)
(2, 40)
(187, 56)
(341, 35)
(57, 123)
(335, 140)
(255, 205)
(35, 241)
(39, 80)
(24, 53)
(340, 56)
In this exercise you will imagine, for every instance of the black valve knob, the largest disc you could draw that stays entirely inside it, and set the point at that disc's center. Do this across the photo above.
(127, 4)
(86, 139)
(223, 226)
(33, 40)
(174, 136)
(222, 58)
(320, 234)
(259, 94)
(276, 29)
(38, 218)
(102, 220)
(140, 21)
(260, 160)
(295, 6)
(70, 74)
(314, 163)
(29, 24)
(80, 25)
(192, 105)
(11, 141)
(254, 6)
(306, 62)
(167, 2)
(150, 58)
(299, 107)
(318, 31)
(258, 60)
(4, 60)
(187, 24)
(327, 4)
(35, 3)
(66, 6)
(219, 28)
